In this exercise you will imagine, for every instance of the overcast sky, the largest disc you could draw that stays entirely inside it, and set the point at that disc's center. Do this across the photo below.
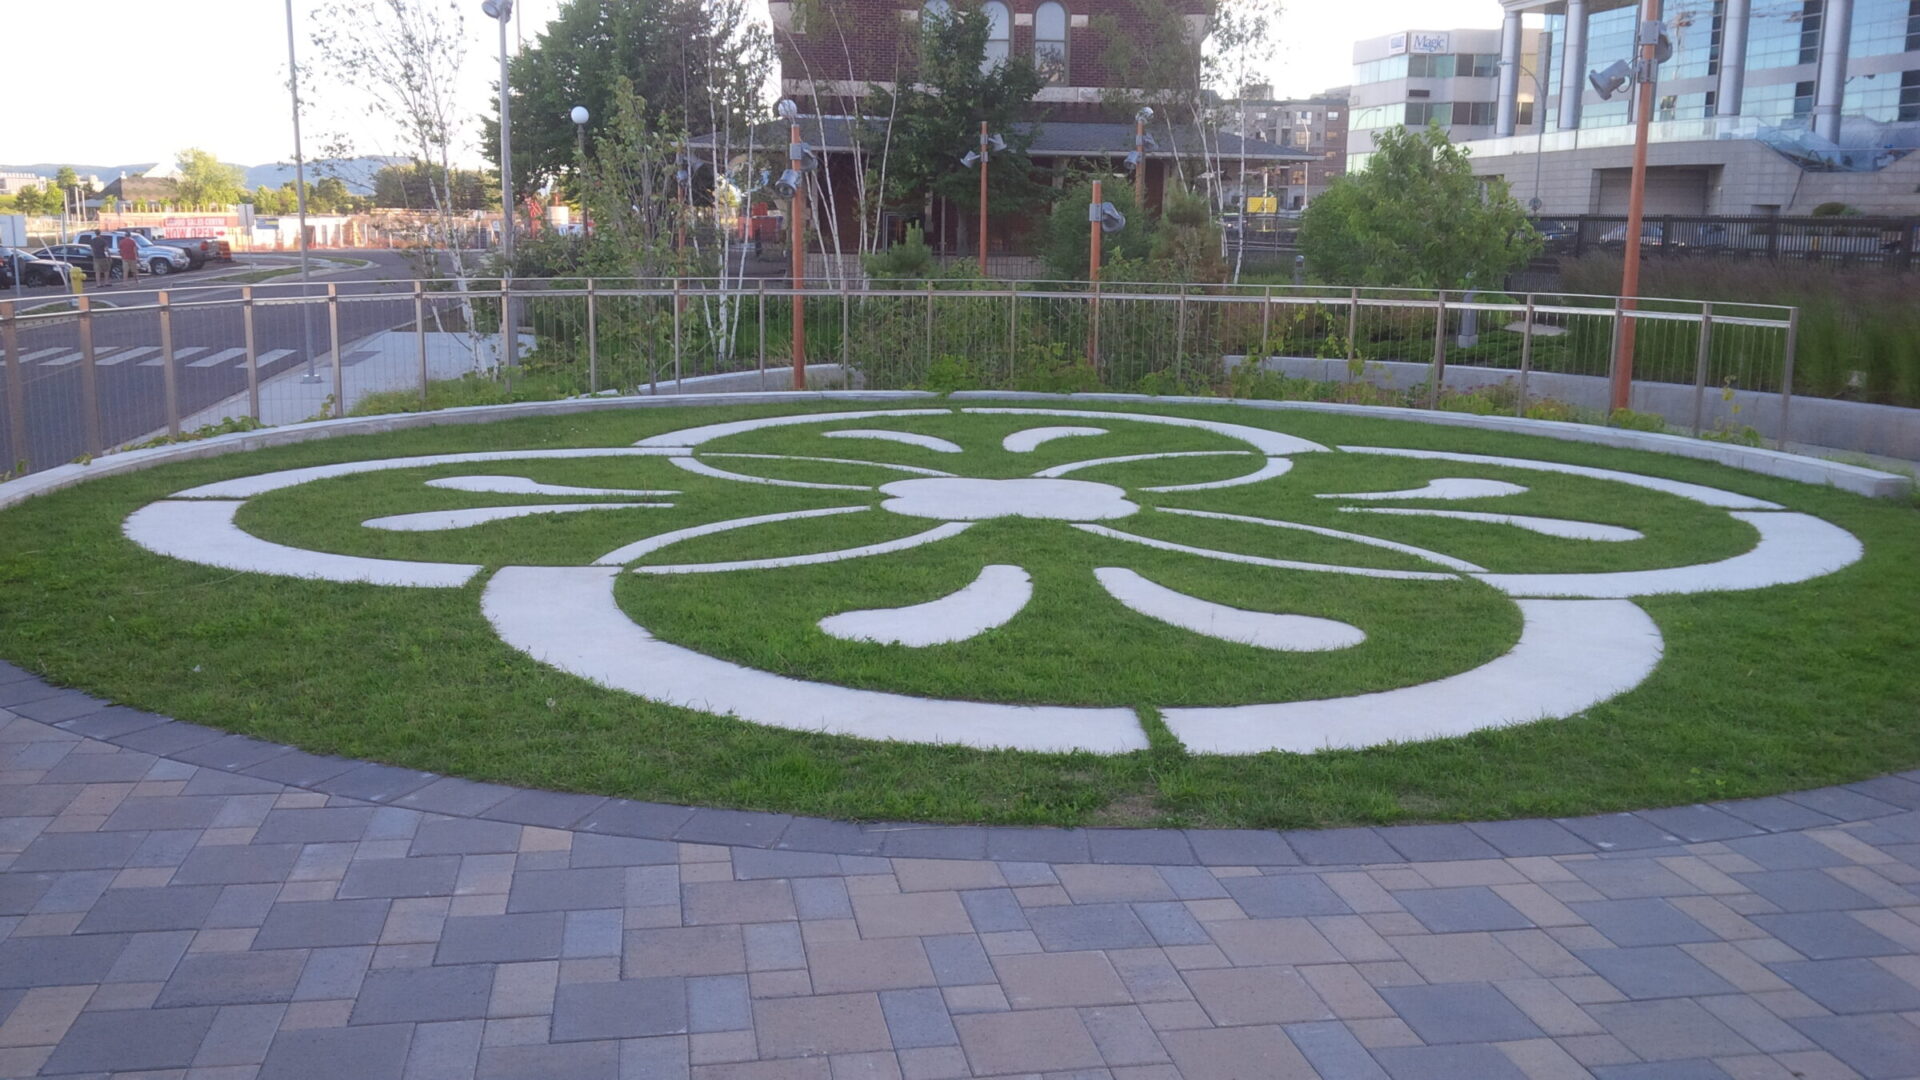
(232, 98)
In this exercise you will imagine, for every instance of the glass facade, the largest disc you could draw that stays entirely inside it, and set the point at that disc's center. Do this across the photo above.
(1783, 33)
(1694, 28)
(1776, 103)
(1888, 98)
(1881, 27)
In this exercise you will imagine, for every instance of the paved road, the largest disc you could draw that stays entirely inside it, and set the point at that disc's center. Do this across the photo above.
(208, 348)
(172, 898)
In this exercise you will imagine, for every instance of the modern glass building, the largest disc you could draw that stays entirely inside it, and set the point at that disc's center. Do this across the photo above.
(1765, 106)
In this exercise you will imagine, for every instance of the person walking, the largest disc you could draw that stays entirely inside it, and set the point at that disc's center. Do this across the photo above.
(102, 261)
(129, 258)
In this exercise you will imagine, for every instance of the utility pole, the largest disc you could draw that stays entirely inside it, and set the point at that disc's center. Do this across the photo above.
(797, 239)
(300, 196)
(1094, 214)
(1646, 71)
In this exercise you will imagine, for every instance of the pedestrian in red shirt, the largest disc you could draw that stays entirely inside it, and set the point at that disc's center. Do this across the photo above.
(129, 258)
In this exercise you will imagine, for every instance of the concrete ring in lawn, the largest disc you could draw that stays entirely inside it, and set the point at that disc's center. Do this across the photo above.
(1583, 638)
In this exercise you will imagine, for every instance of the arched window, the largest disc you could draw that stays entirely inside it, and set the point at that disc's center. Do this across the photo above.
(1050, 41)
(999, 34)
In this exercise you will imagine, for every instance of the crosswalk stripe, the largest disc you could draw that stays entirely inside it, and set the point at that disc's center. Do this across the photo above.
(272, 355)
(121, 356)
(219, 358)
(62, 360)
(191, 350)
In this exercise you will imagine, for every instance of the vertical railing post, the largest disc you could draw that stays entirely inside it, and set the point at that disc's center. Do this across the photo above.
(1700, 366)
(1613, 347)
(1526, 358)
(420, 335)
(333, 339)
(1439, 350)
(1180, 332)
(1013, 327)
(1786, 379)
(169, 378)
(763, 333)
(929, 325)
(16, 387)
(1353, 325)
(253, 352)
(1266, 326)
(593, 337)
(846, 328)
(676, 333)
(89, 381)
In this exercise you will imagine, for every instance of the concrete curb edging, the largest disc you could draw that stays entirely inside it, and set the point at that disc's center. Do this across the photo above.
(1860, 481)
(372, 783)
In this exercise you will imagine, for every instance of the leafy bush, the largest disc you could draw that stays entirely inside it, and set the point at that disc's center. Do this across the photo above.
(1068, 241)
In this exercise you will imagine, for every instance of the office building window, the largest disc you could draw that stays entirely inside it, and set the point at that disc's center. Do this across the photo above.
(999, 34)
(1782, 34)
(1387, 70)
(1694, 28)
(1778, 103)
(1050, 42)
(1422, 113)
(1888, 98)
(1881, 27)
(1380, 116)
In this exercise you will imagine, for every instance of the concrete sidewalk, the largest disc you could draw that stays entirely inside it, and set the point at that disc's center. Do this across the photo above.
(176, 902)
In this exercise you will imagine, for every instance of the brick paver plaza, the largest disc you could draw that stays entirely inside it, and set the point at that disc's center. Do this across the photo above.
(180, 903)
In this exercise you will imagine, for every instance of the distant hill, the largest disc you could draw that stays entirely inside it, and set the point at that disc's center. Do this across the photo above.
(356, 172)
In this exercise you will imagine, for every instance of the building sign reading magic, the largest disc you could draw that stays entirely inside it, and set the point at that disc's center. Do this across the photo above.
(1420, 41)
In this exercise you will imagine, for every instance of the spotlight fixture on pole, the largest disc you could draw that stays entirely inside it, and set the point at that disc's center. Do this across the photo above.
(988, 144)
(1653, 48)
(1137, 161)
(793, 185)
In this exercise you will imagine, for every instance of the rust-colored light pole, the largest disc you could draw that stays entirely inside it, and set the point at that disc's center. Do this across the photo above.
(983, 198)
(797, 237)
(1636, 210)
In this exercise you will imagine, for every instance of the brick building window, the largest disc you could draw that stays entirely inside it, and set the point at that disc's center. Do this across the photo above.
(999, 34)
(1050, 41)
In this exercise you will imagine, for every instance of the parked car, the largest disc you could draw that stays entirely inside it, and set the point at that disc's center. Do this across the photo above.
(76, 255)
(1693, 234)
(155, 259)
(30, 269)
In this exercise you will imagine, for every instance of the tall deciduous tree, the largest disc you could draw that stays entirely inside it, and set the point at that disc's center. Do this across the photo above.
(698, 66)
(1417, 217)
(206, 181)
(410, 187)
(935, 113)
(405, 57)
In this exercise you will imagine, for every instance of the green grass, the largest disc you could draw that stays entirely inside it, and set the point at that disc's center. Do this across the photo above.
(1758, 692)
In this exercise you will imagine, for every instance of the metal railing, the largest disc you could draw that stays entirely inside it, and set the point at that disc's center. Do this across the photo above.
(80, 378)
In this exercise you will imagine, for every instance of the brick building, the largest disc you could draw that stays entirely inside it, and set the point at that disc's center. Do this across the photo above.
(1315, 125)
(831, 54)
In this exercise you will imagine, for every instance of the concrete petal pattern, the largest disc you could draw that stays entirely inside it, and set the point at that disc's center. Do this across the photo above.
(442, 520)
(1447, 487)
(1094, 463)
(1274, 467)
(1558, 527)
(1793, 547)
(1435, 557)
(1264, 630)
(203, 532)
(940, 532)
(908, 438)
(1021, 442)
(633, 551)
(1572, 654)
(521, 485)
(1256, 560)
(246, 487)
(566, 617)
(991, 600)
(1699, 493)
(1267, 441)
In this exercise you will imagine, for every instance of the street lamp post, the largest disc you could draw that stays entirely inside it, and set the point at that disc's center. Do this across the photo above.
(501, 11)
(794, 183)
(300, 195)
(579, 116)
(983, 198)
